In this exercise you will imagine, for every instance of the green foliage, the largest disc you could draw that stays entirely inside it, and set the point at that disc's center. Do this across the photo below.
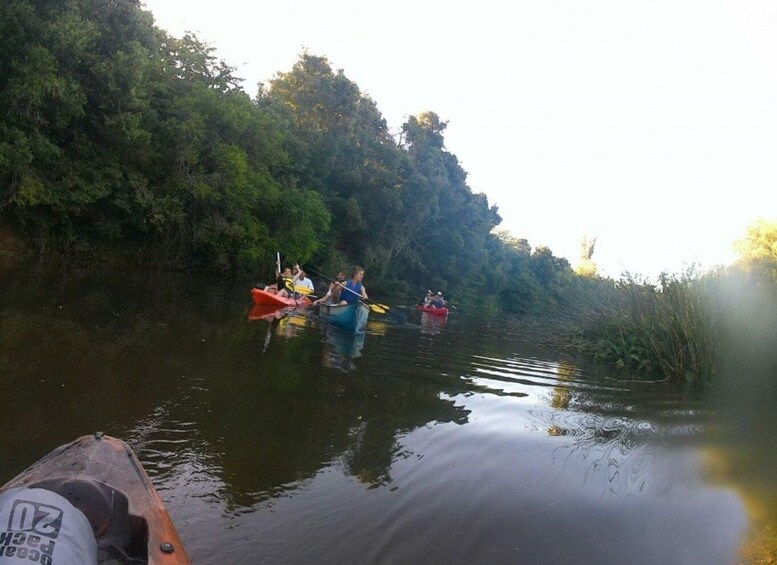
(671, 330)
(116, 136)
(690, 327)
(404, 210)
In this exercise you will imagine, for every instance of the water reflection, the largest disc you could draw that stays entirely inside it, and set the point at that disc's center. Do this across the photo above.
(468, 447)
(289, 326)
(267, 313)
(377, 326)
(343, 348)
(284, 322)
(432, 324)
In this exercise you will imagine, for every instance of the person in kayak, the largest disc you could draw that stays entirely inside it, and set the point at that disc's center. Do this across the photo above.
(354, 290)
(427, 299)
(284, 283)
(30, 519)
(304, 282)
(332, 295)
(438, 301)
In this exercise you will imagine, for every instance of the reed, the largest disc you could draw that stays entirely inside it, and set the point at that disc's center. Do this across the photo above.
(671, 329)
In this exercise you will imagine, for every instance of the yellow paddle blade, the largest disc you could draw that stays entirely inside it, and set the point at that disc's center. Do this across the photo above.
(382, 306)
(377, 309)
(302, 290)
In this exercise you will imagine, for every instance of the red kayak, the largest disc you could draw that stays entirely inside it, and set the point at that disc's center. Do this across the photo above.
(268, 299)
(432, 310)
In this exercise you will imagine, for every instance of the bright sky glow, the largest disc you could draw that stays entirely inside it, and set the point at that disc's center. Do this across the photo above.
(651, 124)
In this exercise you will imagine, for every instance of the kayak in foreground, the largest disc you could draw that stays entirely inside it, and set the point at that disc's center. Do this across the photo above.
(88, 501)
(432, 310)
(264, 298)
(348, 317)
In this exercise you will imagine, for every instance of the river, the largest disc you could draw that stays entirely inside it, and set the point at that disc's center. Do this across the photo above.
(434, 441)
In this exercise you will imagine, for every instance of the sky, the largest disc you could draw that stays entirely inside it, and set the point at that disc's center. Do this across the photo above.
(648, 124)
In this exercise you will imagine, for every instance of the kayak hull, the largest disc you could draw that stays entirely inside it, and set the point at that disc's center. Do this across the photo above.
(102, 477)
(431, 310)
(347, 317)
(263, 298)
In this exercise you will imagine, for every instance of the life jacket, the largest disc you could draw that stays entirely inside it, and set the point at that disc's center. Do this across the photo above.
(286, 282)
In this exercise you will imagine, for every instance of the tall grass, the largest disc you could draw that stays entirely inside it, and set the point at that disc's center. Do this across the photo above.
(673, 329)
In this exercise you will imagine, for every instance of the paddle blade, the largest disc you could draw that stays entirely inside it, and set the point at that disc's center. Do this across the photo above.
(377, 308)
(302, 290)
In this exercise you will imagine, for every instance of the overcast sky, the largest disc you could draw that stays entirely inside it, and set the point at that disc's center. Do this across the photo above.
(649, 124)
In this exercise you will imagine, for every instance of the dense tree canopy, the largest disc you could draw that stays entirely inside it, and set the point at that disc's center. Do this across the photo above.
(116, 137)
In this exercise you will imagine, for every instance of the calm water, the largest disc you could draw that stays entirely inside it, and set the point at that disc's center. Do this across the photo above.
(285, 441)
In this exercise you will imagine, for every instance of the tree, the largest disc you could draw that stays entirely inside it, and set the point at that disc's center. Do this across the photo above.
(444, 233)
(519, 245)
(758, 249)
(340, 147)
(116, 135)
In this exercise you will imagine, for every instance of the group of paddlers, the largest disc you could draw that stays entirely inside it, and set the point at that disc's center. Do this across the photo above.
(293, 282)
(290, 282)
(343, 291)
(432, 300)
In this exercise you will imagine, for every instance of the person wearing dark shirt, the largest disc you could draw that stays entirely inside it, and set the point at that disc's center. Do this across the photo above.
(354, 290)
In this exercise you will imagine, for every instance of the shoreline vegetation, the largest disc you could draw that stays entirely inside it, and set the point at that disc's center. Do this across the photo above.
(121, 143)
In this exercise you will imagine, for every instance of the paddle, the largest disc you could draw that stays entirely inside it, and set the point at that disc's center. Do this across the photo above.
(377, 306)
(303, 290)
(374, 306)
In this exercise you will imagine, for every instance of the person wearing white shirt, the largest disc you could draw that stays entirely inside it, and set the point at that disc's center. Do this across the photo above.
(304, 281)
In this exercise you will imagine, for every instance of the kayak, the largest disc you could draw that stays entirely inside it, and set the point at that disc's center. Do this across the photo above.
(90, 493)
(432, 310)
(262, 297)
(348, 317)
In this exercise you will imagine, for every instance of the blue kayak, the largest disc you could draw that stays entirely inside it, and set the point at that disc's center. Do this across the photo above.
(348, 317)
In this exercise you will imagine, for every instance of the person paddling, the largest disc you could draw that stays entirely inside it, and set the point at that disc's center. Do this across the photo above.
(332, 295)
(302, 284)
(354, 290)
(284, 283)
